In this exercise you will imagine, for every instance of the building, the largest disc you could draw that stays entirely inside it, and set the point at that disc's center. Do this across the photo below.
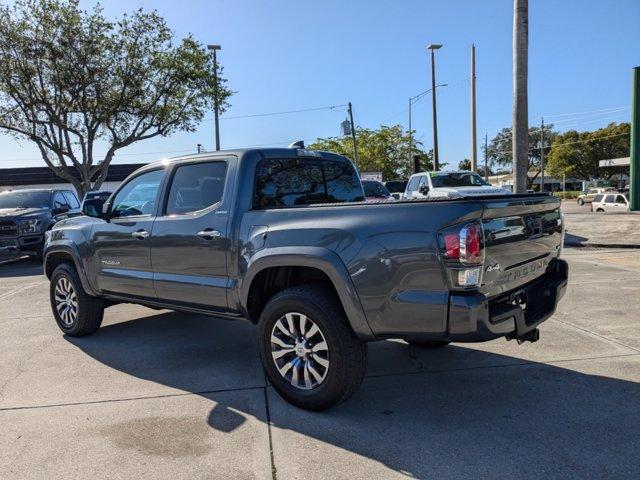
(43, 177)
(551, 184)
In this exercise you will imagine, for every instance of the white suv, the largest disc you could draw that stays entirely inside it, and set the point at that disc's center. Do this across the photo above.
(610, 202)
(449, 185)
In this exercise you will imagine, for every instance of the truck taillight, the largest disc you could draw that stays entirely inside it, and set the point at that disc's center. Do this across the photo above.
(463, 243)
(462, 247)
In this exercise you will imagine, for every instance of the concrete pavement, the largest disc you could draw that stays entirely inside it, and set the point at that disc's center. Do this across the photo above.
(609, 230)
(156, 394)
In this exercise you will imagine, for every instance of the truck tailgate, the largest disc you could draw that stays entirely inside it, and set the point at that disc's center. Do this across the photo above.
(522, 236)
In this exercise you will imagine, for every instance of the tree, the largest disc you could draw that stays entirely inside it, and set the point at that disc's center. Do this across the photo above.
(75, 83)
(384, 150)
(578, 154)
(500, 149)
(464, 164)
(520, 100)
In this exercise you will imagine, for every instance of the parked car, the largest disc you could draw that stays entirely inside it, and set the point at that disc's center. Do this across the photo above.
(25, 215)
(588, 195)
(102, 194)
(282, 238)
(396, 188)
(374, 191)
(449, 185)
(611, 202)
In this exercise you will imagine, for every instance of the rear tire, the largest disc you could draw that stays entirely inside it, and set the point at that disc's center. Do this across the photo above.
(599, 210)
(315, 360)
(428, 343)
(580, 202)
(77, 313)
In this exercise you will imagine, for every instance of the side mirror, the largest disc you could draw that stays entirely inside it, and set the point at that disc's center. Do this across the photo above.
(93, 207)
(63, 208)
(424, 189)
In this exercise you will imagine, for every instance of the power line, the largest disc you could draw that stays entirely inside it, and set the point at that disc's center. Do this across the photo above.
(588, 111)
(253, 115)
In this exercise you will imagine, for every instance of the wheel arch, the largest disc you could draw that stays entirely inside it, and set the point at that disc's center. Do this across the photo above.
(323, 262)
(58, 254)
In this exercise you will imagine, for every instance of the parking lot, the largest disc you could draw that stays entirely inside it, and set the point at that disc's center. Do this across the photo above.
(156, 394)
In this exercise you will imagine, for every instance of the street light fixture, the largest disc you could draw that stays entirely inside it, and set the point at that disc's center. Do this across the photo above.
(216, 106)
(433, 47)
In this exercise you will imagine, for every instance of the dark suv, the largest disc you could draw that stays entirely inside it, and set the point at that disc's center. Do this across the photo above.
(25, 215)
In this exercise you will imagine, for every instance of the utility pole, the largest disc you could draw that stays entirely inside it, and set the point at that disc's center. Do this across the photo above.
(216, 106)
(542, 155)
(410, 135)
(474, 140)
(353, 136)
(436, 160)
(486, 161)
(634, 173)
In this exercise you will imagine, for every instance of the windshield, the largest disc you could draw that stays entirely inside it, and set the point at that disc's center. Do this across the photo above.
(25, 200)
(374, 189)
(457, 179)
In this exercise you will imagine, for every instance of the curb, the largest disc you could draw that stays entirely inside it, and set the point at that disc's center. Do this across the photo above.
(602, 245)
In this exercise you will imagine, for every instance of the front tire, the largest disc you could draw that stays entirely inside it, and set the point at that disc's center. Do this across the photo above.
(580, 202)
(310, 354)
(77, 313)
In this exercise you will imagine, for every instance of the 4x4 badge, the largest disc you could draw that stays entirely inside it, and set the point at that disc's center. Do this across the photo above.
(491, 268)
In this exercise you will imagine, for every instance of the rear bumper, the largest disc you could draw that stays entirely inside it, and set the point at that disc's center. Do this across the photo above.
(475, 318)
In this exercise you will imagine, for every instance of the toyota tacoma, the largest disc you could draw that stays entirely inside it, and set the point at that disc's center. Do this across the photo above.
(284, 239)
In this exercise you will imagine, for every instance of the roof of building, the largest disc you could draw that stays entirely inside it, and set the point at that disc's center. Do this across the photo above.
(10, 177)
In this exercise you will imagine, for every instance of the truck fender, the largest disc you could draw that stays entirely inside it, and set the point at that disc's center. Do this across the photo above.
(71, 250)
(316, 257)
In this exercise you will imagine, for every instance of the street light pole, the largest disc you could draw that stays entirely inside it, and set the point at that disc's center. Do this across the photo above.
(412, 100)
(474, 140)
(436, 162)
(216, 106)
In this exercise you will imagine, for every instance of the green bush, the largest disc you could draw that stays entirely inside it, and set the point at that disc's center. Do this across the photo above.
(568, 195)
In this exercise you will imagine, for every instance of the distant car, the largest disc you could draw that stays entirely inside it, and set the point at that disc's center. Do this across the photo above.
(25, 216)
(396, 188)
(450, 185)
(374, 190)
(588, 195)
(611, 202)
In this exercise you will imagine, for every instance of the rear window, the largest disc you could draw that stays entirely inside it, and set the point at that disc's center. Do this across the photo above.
(291, 182)
(621, 199)
(597, 198)
(374, 189)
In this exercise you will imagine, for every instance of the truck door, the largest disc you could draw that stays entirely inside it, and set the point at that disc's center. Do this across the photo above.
(121, 244)
(191, 238)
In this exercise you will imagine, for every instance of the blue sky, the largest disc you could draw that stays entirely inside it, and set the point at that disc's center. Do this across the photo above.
(289, 55)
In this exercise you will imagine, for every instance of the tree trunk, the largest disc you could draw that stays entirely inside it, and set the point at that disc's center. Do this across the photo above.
(520, 121)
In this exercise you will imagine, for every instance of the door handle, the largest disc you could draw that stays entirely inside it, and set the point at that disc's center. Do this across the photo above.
(140, 234)
(208, 234)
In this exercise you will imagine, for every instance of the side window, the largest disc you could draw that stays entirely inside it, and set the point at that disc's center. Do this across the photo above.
(609, 199)
(290, 182)
(597, 198)
(413, 184)
(58, 200)
(423, 181)
(620, 199)
(72, 200)
(195, 187)
(139, 196)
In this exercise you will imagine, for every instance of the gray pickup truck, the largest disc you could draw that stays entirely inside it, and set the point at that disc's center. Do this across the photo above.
(283, 238)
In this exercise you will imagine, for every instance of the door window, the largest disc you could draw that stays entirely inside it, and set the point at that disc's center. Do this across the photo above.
(195, 187)
(413, 184)
(621, 199)
(138, 196)
(609, 199)
(72, 200)
(59, 200)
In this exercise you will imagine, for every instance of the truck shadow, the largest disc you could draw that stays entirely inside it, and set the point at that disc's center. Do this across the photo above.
(451, 413)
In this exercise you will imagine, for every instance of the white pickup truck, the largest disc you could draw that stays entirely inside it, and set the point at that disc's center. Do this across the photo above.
(449, 185)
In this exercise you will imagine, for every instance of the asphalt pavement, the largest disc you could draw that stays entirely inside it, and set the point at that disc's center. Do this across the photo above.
(156, 394)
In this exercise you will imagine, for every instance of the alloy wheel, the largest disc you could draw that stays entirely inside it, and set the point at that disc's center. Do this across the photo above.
(66, 301)
(299, 351)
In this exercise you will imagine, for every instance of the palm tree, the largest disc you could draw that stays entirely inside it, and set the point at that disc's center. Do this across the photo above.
(520, 113)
